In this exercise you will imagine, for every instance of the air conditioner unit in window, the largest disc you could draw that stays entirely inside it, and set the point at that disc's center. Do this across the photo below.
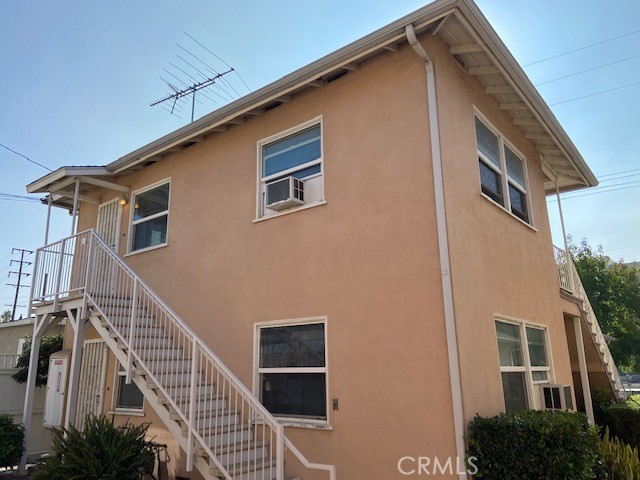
(556, 397)
(284, 193)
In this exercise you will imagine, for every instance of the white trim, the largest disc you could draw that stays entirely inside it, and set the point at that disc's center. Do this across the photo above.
(320, 424)
(527, 368)
(143, 250)
(133, 222)
(503, 172)
(260, 180)
(288, 211)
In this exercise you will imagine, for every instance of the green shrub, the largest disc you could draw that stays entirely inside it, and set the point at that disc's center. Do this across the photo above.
(621, 460)
(101, 451)
(11, 441)
(534, 444)
(622, 421)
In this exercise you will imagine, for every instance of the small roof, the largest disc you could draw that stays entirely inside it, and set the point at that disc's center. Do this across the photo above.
(471, 40)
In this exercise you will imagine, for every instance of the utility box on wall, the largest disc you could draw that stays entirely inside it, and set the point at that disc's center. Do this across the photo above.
(57, 380)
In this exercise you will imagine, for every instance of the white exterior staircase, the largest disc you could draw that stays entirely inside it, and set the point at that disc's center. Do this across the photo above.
(570, 282)
(223, 428)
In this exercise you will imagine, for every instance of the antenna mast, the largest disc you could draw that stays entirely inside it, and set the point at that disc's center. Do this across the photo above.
(190, 90)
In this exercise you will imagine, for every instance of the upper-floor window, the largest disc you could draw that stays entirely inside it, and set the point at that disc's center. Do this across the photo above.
(150, 217)
(502, 171)
(290, 169)
(524, 362)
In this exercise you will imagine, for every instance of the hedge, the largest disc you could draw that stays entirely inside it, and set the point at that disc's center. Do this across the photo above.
(533, 444)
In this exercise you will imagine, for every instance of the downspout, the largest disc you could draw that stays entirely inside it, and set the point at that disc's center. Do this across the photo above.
(443, 247)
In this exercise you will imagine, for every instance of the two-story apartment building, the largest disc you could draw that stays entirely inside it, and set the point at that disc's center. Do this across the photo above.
(334, 274)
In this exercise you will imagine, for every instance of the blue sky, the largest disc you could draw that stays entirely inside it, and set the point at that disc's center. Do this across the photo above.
(78, 77)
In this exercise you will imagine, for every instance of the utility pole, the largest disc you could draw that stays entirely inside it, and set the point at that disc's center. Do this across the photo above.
(21, 263)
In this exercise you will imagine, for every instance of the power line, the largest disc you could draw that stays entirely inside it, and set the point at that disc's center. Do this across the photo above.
(26, 158)
(594, 193)
(587, 70)
(618, 173)
(621, 248)
(594, 94)
(619, 178)
(581, 48)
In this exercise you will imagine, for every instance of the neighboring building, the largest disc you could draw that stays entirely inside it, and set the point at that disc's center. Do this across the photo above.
(12, 344)
(345, 269)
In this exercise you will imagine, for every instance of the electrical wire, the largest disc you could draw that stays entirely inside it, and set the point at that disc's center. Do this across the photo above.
(618, 173)
(594, 94)
(25, 157)
(579, 49)
(594, 193)
(587, 70)
(621, 248)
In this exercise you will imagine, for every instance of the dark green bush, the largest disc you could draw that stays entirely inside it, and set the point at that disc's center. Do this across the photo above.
(535, 444)
(102, 451)
(11, 441)
(622, 421)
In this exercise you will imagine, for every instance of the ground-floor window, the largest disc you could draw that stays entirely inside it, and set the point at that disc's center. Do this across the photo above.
(292, 369)
(128, 397)
(524, 362)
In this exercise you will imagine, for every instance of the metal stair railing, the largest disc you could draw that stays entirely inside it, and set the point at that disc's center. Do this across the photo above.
(154, 336)
(570, 281)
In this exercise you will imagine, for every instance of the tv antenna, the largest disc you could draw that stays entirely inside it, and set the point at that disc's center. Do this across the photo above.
(189, 90)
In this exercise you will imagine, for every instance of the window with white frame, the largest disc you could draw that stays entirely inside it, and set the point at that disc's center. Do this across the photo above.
(290, 165)
(292, 370)
(150, 216)
(502, 171)
(128, 397)
(524, 362)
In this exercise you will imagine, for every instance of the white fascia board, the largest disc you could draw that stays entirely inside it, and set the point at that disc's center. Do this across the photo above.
(391, 33)
(40, 185)
(491, 39)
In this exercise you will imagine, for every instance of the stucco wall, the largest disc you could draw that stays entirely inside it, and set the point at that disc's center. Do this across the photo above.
(367, 260)
(11, 333)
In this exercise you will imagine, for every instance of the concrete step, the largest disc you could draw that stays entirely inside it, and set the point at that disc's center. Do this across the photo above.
(182, 392)
(213, 402)
(162, 366)
(240, 452)
(150, 355)
(260, 470)
(217, 437)
(213, 419)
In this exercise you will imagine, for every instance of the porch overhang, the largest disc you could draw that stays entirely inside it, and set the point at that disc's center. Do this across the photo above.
(61, 185)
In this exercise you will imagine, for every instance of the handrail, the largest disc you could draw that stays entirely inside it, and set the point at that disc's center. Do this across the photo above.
(570, 281)
(313, 466)
(217, 402)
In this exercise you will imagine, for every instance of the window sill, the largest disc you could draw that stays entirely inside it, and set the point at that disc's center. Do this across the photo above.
(127, 412)
(486, 197)
(148, 249)
(291, 210)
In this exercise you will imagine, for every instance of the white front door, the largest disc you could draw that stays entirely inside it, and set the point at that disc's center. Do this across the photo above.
(92, 377)
(109, 220)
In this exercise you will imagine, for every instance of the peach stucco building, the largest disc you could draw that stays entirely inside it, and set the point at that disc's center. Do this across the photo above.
(329, 277)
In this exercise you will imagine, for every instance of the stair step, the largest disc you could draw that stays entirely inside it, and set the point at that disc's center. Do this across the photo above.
(107, 301)
(151, 343)
(162, 366)
(182, 379)
(213, 402)
(182, 392)
(260, 470)
(210, 417)
(152, 354)
(236, 453)
(217, 437)
(217, 418)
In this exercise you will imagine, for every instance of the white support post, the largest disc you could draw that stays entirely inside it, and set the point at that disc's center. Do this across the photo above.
(192, 404)
(74, 370)
(584, 374)
(132, 327)
(56, 291)
(74, 221)
(39, 326)
(280, 452)
(46, 228)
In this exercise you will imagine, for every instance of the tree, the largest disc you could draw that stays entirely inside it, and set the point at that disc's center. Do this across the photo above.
(614, 292)
(6, 316)
(48, 345)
